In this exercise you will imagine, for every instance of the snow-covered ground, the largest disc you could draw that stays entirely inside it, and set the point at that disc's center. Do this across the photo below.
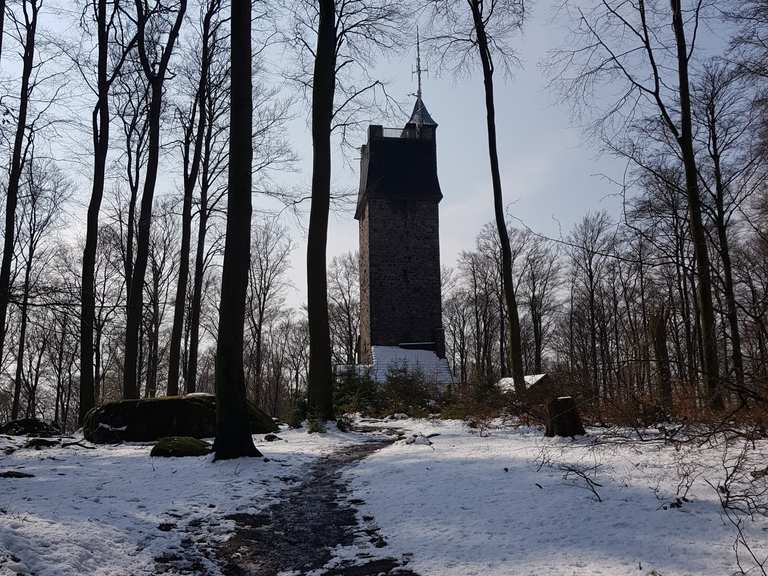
(113, 510)
(504, 504)
(454, 502)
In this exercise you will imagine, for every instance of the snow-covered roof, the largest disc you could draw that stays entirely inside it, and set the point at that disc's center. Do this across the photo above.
(507, 384)
(434, 369)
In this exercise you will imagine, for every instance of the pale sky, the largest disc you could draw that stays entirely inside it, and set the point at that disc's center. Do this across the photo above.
(552, 173)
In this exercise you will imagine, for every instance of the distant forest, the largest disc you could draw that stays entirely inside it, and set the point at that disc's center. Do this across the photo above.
(118, 114)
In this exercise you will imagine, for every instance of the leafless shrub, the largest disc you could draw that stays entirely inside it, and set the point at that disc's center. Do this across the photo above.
(743, 495)
(587, 475)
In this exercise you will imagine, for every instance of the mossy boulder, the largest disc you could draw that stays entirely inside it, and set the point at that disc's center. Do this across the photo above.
(180, 446)
(154, 418)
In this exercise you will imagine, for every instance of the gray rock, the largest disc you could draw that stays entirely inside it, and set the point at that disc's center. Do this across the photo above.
(155, 418)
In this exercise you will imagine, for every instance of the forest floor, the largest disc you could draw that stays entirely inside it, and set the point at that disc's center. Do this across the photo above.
(432, 498)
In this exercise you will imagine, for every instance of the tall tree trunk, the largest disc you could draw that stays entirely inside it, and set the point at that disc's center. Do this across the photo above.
(153, 358)
(22, 333)
(17, 161)
(593, 370)
(197, 295)
(98, 376)
(643, 342)
(685, 302)
(620, 388)
(197, 283)
(233, 434)
(658, 328)
(259, 329)
(320, 381)
(60, 374)
(571, 344)
(725, 252)
(100, 132)
(156, 78)
(70, 377)
(136, 289)
(515, 343)
(2, 26)
(33, 387)
(685, 140)
(502, 336)
(193, 146)
(538, 333)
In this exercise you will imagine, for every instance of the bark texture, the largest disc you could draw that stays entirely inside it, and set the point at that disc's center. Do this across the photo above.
(233, 435)
(515, 345)
(320, 381)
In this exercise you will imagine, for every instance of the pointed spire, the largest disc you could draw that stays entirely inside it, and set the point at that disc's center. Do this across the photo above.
(420, 116)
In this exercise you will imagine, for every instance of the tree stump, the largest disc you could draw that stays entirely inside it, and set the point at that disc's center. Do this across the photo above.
(563, 418)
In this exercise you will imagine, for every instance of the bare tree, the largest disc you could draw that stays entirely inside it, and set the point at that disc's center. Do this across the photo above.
(484, 27)
(323, 91)
(540, 284)
(153, 23)
(110, 293)
(658, 327)
(298, 357)
(132, 108)
(62, 356)
(106, 16)
(457, 316)
(270, 252)
(591, 240)
(45, 190)
(27, 25)
(213, 163)
(163, 266)
(479, 274)
(748, 45)
(193, 141)
(732, 172)
(346, 33)
(233, 434)
(344, 306)
(270, 151)
(2, 25)
(624, 42)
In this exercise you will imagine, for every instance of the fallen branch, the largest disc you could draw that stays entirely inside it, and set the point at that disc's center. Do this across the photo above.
(581, 473)
(80, 444)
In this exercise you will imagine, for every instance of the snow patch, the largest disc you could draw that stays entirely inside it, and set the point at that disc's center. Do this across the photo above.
(113, 510)
(507, 384)
(514, 503)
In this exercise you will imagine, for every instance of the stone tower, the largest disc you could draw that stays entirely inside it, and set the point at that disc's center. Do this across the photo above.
(397, 207)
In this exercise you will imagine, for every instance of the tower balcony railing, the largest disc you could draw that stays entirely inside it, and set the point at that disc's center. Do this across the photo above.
(409, 132)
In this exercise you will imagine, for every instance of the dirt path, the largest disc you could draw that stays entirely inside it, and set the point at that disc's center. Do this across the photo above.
(297, 534)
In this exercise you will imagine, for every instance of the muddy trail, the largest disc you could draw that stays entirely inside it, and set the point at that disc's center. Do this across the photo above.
(297, 534)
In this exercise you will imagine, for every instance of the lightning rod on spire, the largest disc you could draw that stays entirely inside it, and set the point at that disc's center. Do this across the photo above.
(418, 62)
(419, 70)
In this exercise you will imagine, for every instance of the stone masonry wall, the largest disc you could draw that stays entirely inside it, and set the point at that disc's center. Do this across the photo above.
(365, 307)
(400, 273)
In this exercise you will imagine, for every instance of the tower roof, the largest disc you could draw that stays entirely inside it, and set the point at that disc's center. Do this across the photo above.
(420, 115)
